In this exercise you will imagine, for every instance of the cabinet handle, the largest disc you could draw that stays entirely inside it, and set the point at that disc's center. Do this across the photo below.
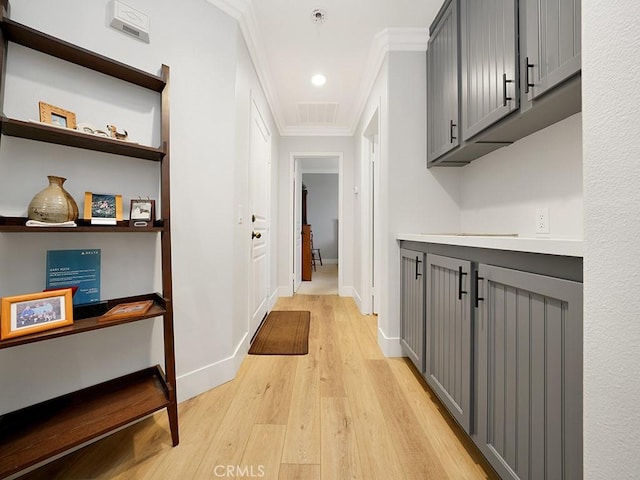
(460, 291)
(451, 127)
(527, 84)
(418, 262)
(255, 235)
(478, 297)
(504, 89)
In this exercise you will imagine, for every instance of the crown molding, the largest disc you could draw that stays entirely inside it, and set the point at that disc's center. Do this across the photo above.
(233, 8)
(388, 40)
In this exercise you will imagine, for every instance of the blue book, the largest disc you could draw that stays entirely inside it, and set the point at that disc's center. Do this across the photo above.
(75, 268)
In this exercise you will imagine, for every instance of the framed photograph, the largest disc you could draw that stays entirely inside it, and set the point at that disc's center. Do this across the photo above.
(127, 310)
(35, 312)
(142, 213)
(102, 208)
(57, 116)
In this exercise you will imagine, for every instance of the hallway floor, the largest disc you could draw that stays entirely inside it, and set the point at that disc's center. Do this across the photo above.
(324, 281)
(341, 412)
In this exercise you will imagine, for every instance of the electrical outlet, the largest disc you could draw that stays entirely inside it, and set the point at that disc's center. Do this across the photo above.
(542, 220)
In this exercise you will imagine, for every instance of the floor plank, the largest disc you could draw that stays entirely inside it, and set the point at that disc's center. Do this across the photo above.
(258, 461)
(289, 471)
(342, 411)
(339, 449)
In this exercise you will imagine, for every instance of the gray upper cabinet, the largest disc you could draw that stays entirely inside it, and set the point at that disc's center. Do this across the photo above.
(448, 335)
(442, 83)
(412, 306)
(553, 43)
(529, 374)
(489, 49)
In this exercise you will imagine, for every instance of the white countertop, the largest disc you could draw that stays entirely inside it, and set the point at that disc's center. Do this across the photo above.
(546, 245)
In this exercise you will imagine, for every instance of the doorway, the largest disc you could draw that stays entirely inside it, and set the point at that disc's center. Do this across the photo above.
(370, 244)
(321, 174)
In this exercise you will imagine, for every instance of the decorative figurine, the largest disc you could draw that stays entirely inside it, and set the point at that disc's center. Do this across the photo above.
(114, 133)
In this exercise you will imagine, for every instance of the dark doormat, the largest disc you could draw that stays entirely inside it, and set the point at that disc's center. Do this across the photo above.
(283, 333)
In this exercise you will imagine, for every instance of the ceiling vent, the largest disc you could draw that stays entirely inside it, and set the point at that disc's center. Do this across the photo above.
(315, 113)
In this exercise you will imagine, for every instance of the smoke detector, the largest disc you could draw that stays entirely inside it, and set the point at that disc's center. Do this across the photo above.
(318, 15)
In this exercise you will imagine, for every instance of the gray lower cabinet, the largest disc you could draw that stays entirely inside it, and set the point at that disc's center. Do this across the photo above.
(529, 374)
(448, 335)
(442, 81)
(553, 43)
(489, 59)
(412, 306)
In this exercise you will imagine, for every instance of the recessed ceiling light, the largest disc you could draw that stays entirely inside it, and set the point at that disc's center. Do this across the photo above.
(318, 79)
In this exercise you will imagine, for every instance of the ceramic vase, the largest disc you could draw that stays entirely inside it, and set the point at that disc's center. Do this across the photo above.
(53, 204)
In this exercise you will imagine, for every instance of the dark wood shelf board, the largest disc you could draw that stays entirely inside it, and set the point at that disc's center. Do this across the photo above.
(87, 318)
(17, 225)
(72, 138)
(33, 434)
(31, 38)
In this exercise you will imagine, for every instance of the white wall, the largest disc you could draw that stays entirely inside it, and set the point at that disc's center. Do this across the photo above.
(316, 145)
(501, 191)
(612, 239)
(322, 212)
(208, 170)
(412, 198)
(248, 91)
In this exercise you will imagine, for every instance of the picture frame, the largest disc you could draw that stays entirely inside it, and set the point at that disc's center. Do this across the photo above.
(102, 208)
(57, 116)
(142, 212)
(127, 310)
(35, 312)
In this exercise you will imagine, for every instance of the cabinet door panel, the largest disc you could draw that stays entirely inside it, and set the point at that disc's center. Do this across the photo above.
(448, 343)
(443, 85)
(553, 42)
(489, 60)
(530, 374)
(412, 306)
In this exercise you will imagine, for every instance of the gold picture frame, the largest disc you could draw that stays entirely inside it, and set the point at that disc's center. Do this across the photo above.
(57, 116)
(35, 312)
(102, 208)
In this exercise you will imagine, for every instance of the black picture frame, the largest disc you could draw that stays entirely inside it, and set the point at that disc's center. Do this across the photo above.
(142, 213)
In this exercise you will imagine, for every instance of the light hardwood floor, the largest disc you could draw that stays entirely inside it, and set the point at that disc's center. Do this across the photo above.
(343, 411)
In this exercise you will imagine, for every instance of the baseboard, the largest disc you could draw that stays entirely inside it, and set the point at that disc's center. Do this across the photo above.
(390, 346)
(274, 298)
(346, 291)
(356, 298)
(210, 376)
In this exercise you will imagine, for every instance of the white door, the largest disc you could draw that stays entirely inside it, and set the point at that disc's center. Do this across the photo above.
(259, 181)
(297, 225)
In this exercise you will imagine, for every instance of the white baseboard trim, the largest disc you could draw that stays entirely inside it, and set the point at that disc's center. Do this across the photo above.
(210, 376)
(346, 291)
(390, 346)
(330, 261)
(357, 299)
(274, 298)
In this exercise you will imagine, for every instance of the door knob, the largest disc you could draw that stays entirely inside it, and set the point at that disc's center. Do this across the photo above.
(255, 235)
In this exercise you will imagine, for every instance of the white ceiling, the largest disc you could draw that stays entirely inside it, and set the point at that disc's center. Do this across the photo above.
(288, 47)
